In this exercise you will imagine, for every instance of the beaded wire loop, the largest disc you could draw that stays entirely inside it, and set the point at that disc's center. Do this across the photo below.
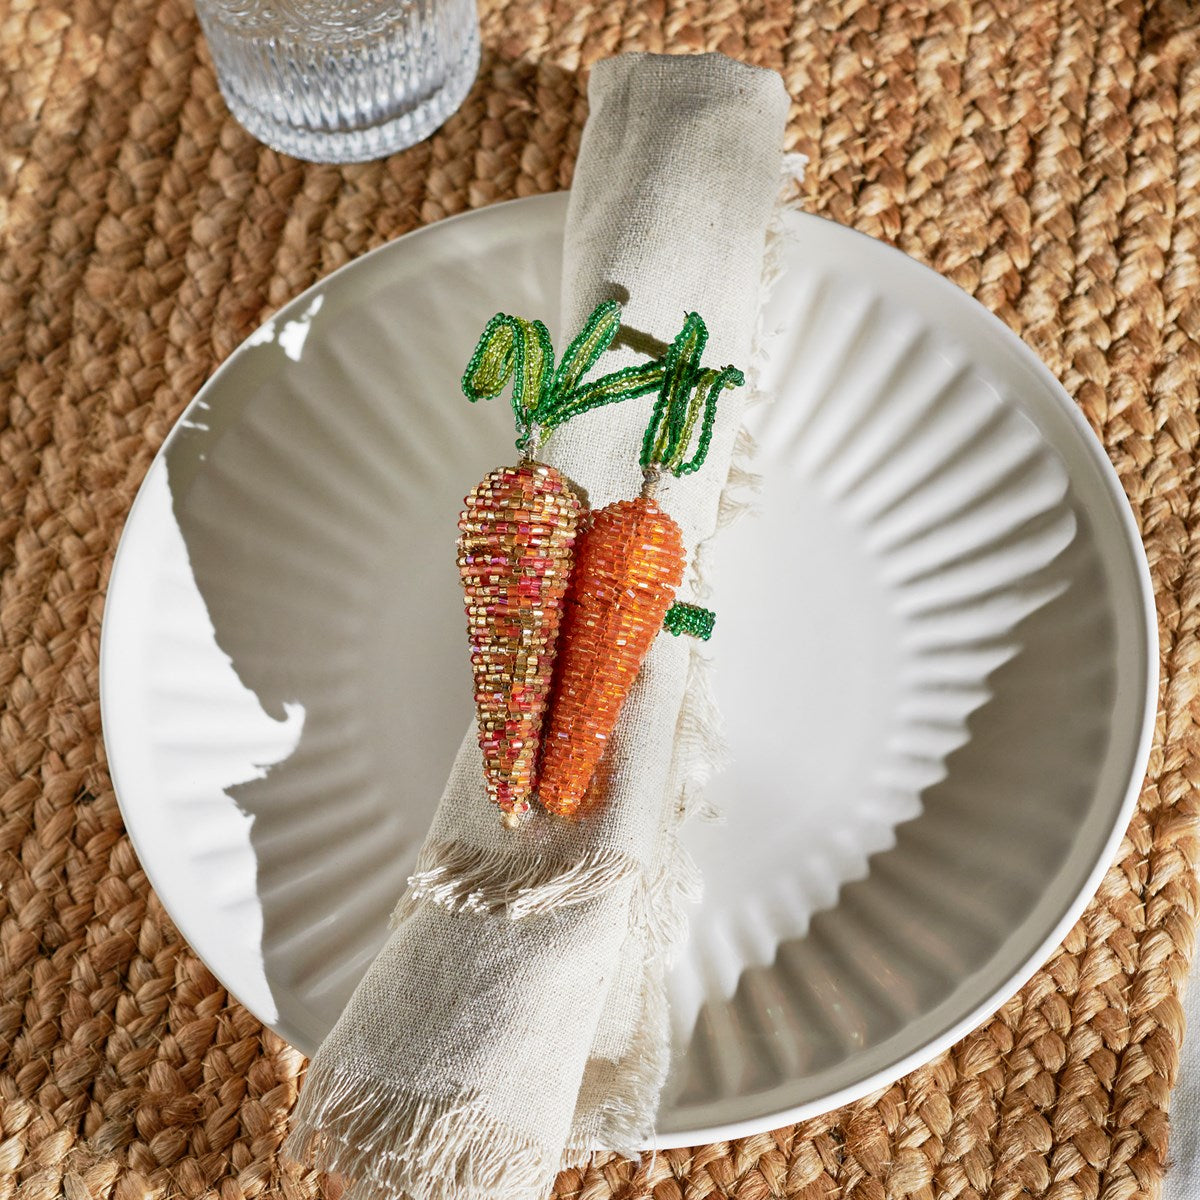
(691, 619)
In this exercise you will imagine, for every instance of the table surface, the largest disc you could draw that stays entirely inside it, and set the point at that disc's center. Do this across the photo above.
(1044, 157)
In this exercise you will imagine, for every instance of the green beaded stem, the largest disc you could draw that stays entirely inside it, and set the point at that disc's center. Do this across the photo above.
(691, 619)
(687, 397)
(542, 397)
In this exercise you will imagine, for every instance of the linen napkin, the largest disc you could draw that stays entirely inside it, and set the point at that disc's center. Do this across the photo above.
(516, 1018)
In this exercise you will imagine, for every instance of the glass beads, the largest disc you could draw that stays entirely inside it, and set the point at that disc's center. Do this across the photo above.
(517, 532)
(628, 563)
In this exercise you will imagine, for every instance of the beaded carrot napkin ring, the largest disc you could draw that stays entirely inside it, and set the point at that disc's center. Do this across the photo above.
(517, 531)
(518, 554)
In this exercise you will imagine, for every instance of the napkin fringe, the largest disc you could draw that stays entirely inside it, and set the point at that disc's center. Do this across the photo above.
(390, 1141)
(627, 1112)
(742, 484)
(702, 739)
(464, 878)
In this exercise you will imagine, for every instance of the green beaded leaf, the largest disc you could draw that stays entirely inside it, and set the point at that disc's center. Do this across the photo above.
(687, 399)
(638, 380)
(516, 349)
(709, 386)
(511, 348)
(662, 434)
(593, 339)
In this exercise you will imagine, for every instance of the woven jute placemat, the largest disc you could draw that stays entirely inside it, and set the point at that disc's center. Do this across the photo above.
(1040, 155)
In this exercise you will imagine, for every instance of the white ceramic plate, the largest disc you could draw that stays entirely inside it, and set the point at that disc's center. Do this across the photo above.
(936, 655)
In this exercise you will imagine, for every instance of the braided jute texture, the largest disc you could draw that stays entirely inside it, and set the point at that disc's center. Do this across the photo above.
(1040, 154)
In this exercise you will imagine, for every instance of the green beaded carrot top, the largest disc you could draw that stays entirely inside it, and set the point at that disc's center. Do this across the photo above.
(687, 395)
(543, 396)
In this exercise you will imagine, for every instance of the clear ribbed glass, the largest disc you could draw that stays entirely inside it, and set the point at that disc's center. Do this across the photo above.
(342, 82)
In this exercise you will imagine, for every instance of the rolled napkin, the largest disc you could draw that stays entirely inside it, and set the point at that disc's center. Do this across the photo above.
(515, 1019)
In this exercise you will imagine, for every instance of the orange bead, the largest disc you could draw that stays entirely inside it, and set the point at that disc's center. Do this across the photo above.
(628, 563)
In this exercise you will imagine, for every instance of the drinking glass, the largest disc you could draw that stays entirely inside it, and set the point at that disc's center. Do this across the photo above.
(342, 80)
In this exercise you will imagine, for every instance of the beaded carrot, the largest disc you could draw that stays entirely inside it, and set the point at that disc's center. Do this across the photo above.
(517, 531)
(628, 563)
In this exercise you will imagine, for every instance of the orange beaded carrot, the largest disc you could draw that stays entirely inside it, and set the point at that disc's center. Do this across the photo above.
(629, 561)
(517, 531)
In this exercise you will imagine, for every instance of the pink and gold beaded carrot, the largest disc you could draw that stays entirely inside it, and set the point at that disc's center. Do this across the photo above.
(628, 563)
(517, 532)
